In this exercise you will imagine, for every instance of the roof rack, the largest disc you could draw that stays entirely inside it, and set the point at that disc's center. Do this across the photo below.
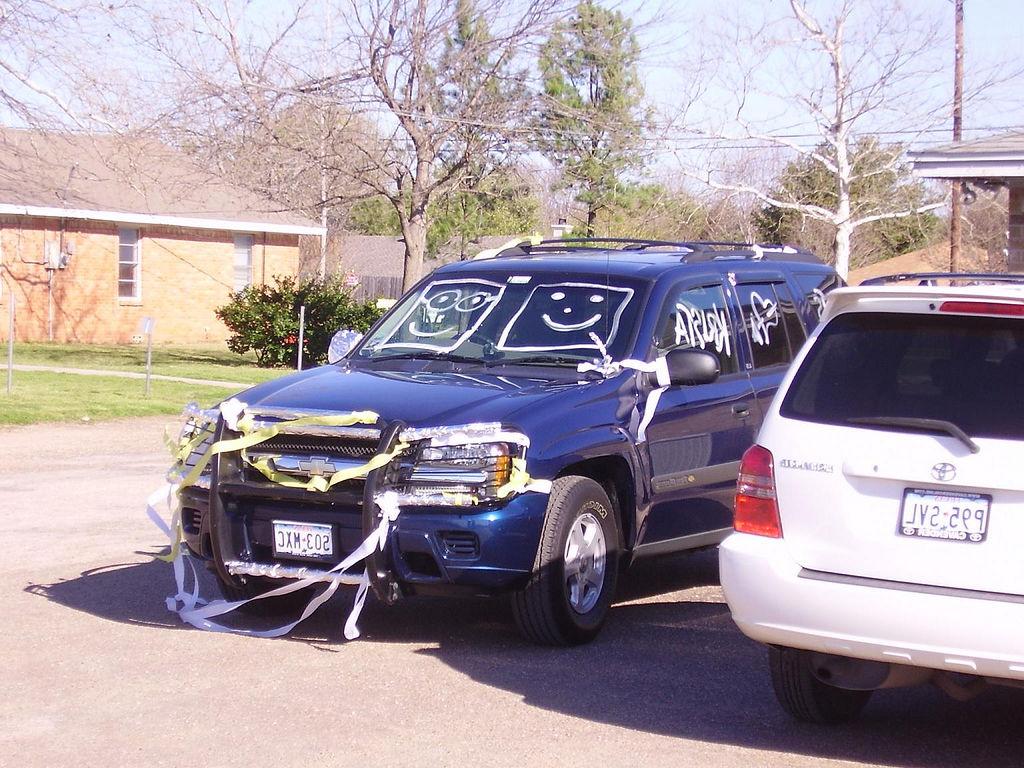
(695, 250)
(931, 278)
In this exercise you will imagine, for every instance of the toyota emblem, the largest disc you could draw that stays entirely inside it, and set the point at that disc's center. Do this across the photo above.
(944, 472)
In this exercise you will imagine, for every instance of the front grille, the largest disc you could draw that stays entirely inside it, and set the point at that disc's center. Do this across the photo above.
(306, 456)
(299, 445)
(460, 543)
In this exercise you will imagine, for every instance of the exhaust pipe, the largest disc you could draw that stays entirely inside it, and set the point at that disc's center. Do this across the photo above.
(865, 675)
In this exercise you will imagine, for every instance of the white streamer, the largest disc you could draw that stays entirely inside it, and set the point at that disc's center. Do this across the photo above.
(198, 612)
(232, 411)
(194, 610)
(659, 367)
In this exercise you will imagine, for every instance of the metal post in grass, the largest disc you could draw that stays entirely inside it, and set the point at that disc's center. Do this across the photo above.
(149, 362)
(10, 341)
(302, 331)
(146, 326)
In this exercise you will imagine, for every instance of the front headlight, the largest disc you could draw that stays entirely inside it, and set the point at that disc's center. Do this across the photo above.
(194, 441)
(479, 470)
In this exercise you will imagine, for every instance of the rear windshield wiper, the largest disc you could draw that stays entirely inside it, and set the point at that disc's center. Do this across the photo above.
(927, 425)
(424, 354)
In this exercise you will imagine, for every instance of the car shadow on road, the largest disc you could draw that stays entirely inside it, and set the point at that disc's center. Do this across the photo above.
(130, 592)
(669, 661)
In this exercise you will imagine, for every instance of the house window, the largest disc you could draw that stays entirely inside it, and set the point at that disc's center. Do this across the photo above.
(243, 261)
(129, 265)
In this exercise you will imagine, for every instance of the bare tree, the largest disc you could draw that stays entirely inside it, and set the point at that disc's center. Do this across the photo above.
(408, 99)
(450, 78)
(819, 84)
(45, 81)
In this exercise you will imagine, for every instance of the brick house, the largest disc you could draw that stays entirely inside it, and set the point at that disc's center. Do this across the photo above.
(992, 162)
(97, 232)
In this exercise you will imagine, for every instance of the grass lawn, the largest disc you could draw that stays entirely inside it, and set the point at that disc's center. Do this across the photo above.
(70, 397)
(191, 362)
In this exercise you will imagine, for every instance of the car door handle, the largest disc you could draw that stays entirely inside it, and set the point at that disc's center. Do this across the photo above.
(741, 410)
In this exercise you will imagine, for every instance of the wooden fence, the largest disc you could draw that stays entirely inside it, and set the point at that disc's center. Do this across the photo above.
(377, 286)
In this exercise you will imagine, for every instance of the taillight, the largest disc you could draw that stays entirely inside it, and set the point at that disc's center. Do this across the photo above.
(982, 308)
(757, 510)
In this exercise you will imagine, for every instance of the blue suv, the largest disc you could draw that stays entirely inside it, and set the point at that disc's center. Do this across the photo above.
(554, 412)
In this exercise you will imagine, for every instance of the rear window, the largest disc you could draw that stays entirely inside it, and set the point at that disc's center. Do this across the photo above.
(966, 370)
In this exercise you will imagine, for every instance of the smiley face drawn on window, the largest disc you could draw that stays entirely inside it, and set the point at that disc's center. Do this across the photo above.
(446, 313)
(564, 315)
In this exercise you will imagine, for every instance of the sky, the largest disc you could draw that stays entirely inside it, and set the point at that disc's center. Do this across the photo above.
(994, 36)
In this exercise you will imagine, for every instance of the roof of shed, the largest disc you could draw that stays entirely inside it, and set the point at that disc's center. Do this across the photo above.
(993, 159)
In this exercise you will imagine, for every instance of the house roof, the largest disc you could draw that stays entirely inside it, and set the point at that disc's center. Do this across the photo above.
(997, 159)
(366, 255)
(934, 258)
(107, 177)
(382, 255)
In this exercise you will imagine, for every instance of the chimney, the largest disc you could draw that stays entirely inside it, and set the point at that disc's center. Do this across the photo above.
(561, 229)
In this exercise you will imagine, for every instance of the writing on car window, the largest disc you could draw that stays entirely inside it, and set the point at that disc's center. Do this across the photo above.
(698, 318)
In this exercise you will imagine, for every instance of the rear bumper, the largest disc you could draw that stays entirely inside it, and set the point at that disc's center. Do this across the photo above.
(774, 602)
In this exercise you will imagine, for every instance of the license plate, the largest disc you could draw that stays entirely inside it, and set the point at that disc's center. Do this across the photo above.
(312, 540)
(949, 515)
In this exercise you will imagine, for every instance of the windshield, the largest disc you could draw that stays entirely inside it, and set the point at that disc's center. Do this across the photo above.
(522, 319)
(914, 371)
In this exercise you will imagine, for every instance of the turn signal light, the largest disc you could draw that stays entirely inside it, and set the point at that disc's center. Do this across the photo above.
(982, 308)
(757, 509)
(502, 470)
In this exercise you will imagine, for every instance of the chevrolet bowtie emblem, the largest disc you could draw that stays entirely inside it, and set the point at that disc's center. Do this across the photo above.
(317, 466)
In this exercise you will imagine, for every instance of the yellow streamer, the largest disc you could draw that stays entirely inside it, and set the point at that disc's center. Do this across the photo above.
(255, 437)
(323, 484)
(518, 479)
(490, 253)
(182, 449)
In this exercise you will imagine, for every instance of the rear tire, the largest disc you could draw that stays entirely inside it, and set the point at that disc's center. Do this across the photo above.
(576, 570)
(804, 696)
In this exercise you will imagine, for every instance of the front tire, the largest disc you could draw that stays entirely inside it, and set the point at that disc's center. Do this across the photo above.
(575, 572)
(804, 696)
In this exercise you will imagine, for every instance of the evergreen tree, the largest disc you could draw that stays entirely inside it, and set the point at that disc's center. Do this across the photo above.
(591, 117)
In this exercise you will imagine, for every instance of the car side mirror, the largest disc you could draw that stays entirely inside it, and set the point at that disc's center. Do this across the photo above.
(688, 367)
(342, 344)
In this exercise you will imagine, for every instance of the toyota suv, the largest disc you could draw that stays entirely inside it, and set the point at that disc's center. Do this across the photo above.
(546, 413)
(878, 517)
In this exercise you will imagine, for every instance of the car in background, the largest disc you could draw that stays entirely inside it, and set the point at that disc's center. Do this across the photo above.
(879, 516)
(513, 361)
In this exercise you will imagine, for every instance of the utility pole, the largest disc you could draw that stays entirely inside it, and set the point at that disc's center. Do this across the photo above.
(958, 115)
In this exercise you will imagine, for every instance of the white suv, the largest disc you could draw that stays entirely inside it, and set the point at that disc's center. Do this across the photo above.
(880, 518)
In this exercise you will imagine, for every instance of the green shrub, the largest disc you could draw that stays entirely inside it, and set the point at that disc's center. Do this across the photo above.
(265, 319)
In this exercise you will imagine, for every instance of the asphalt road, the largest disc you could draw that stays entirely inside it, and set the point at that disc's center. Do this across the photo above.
(95, 671)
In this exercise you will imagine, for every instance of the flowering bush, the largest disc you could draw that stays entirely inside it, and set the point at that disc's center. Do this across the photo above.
(265, 319)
